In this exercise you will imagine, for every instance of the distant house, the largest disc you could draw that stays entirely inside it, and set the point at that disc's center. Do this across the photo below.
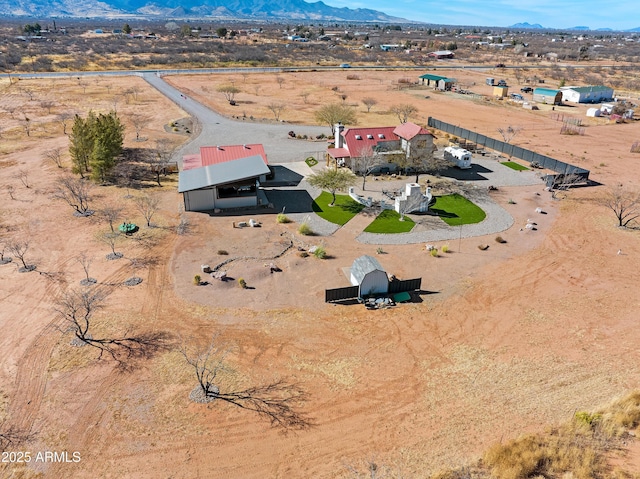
(369, 276)
(392, 144)
(587, 94)
(441, 54)
(548, 96)
(223, 177)
(441, 83)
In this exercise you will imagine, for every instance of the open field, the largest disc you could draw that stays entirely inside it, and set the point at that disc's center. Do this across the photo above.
(504, 341)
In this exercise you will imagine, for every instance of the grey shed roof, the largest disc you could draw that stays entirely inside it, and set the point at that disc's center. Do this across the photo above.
(364, 265)
(222, 173)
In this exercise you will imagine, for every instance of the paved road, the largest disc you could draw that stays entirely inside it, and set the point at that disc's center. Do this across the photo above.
(219, 130)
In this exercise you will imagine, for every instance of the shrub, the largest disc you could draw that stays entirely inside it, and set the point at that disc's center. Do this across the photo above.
(511, 202)
(445, 249)
(242, 283)
(223, 252)
(320, 252)
(304, 229)
(282, 218)
(197, 280)
(303, 254)
(500, 239)
(483, 247)
(379, 250)
(434, 252)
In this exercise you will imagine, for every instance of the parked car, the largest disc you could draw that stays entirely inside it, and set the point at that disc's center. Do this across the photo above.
(345, 65)
(526, 89)
(500, 65)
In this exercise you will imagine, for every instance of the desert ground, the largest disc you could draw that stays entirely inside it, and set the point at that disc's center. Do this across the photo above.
(502, 342)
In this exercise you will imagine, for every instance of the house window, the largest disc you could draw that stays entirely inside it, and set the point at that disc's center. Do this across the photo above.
(358, 137)
(381, 136)
(370, 137)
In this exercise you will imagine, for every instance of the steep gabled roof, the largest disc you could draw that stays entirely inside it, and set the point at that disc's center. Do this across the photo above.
(222, 173)
(410, 130)
(363, 266)
(359, 138)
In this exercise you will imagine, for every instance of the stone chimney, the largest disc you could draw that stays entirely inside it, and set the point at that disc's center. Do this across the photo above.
(339, 139)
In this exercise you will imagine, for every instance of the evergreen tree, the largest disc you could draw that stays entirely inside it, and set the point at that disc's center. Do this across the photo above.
(108, 139)
(96, 142)
(82, 141)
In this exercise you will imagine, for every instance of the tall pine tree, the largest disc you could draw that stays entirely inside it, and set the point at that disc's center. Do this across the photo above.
(108, 139)
(95, 143)
(82, 142)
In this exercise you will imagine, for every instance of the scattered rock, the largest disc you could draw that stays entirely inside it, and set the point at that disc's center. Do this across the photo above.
(133, 281)
(88, 281)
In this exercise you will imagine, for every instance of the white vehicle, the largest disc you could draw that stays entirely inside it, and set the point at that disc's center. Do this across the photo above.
(458, 156)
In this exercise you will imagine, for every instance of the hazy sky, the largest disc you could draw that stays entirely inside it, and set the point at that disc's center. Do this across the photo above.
(619, 15)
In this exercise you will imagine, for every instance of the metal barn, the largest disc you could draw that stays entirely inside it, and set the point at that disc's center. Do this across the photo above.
(369, 276)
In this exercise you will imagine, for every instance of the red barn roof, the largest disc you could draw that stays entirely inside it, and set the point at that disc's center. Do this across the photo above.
(213, 155)
(359, 138)
(410, 130)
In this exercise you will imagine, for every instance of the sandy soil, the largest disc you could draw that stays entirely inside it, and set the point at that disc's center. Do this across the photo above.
(505, 341)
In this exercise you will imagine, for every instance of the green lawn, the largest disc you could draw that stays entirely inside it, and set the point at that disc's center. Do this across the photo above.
(340, 213)
(311, 161)
(514, 166)
(456, 210)
(388, 222)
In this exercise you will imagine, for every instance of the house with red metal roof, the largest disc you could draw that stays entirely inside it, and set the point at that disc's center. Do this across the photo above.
(221, 177)
(392, 145)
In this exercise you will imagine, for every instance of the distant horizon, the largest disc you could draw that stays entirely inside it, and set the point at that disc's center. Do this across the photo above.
(560, 14)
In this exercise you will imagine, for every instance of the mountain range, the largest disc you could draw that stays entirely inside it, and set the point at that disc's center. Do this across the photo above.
(237, 9)
(537, 26)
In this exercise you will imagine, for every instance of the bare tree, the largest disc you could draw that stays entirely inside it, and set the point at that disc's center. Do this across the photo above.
(64, 119)
(26, 124)
(11, 437)
(147, 206)
(403, 111)
(280, 81)
(256, 89)
(139, 121)
(509, 133)
(85, 261)
(11, 190)
(77, 309)
(159, 159)
(23, 176)
(19, 250)
(277, 109)
(305, 96)
(624, 203)
(365, 162)
(111, 214)
(47, 105)
(75, 192)
(112, 239)
(54, 155)
(278, 402)
(369, 103)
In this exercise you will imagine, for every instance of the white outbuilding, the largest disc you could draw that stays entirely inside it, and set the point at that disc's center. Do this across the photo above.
(369, 276)
(594, 112)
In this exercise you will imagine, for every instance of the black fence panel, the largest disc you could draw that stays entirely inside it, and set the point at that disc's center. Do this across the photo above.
(400, 286)
(340, 294)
